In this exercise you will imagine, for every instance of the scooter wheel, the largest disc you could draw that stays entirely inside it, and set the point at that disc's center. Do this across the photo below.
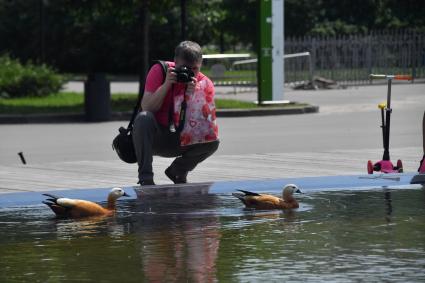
(399, 166)
(369, 167)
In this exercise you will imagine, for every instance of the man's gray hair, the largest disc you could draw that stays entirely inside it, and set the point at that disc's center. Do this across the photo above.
(188, 51)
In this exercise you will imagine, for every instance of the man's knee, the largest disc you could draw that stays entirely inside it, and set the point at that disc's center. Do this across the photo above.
(214, 146)
(144, 120)
(206, 148)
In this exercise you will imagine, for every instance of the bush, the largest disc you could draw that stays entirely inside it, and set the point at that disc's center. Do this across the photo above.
(17, 80)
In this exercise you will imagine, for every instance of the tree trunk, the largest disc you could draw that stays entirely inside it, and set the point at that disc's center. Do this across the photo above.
(183, 8)
(144, 46)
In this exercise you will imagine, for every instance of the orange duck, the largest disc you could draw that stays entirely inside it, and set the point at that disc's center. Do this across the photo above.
(265, 202)
(75, 208)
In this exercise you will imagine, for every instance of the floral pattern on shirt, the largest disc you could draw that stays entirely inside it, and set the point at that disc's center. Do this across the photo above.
(200, 121)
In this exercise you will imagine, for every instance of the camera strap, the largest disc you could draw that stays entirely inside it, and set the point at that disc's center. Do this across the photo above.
(182, 116)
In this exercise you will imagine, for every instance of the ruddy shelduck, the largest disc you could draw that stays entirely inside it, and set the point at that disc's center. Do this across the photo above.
(265, 202)
(76, 208)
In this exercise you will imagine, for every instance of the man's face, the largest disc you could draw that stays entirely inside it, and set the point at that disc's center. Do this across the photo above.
(196, 67)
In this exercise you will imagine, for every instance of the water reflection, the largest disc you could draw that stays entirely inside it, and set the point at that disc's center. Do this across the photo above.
(388, 205)
(178, 244)
(186, 251)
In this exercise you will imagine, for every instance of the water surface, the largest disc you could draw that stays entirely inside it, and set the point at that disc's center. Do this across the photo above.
(336, 236)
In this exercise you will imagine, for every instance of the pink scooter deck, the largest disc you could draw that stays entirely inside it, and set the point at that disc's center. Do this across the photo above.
(386, 167)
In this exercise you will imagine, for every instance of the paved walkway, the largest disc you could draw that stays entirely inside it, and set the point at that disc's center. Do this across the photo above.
(337, 141)
(110, 173)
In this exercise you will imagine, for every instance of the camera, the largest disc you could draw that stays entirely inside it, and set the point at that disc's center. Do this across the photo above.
(184, 74)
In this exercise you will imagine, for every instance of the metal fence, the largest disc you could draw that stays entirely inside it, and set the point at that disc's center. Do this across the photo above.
(347, 60)
(350, 59)
(298, 61)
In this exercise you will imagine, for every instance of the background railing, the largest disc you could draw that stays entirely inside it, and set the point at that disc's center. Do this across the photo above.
(348, 60)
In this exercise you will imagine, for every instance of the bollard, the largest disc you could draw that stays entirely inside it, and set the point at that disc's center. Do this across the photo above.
(97, 98)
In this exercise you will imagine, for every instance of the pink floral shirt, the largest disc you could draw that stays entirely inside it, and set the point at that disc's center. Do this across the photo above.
(200, 121)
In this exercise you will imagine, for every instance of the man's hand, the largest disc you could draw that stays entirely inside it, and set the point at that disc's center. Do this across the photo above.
(191, 86)
(170, 78)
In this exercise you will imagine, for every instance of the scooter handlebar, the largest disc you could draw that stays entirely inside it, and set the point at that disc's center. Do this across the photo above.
(403, 77)
(382, 105)
(390, 77)
(376, 76)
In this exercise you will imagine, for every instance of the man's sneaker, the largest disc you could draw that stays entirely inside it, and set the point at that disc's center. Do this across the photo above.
(422, 165)
(177, 179)
(146, 182)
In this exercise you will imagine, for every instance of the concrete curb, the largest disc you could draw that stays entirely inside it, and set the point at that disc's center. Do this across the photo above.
(41, 118)
(307, 184)
(267, 111)
(125, 116)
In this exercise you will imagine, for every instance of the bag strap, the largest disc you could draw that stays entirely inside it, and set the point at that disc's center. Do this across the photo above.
(139, 100)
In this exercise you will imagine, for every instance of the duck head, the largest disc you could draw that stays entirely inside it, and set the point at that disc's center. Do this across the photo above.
(289, 190)
(116, 193)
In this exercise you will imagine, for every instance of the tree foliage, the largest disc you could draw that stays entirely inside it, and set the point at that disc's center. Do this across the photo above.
(106, 35)
(17, 80)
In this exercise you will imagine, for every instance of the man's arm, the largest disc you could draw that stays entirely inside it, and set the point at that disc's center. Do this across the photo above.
(152, 101)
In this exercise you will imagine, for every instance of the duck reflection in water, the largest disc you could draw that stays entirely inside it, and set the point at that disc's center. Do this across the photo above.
(89, 227)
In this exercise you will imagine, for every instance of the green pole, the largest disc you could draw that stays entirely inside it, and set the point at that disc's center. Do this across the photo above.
(264, 66)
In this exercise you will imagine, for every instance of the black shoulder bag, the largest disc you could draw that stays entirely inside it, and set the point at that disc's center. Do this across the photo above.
(123, 142)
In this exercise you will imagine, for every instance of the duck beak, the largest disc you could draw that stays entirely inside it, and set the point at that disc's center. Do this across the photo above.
(125, 195)
(298, 191)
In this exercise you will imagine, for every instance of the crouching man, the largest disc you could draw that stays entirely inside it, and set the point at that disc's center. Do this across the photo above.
(177, 118)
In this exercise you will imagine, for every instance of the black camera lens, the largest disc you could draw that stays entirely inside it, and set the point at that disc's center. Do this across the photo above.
(184, 74)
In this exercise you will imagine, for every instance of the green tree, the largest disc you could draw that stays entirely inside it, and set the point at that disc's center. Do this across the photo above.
(107, 35)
